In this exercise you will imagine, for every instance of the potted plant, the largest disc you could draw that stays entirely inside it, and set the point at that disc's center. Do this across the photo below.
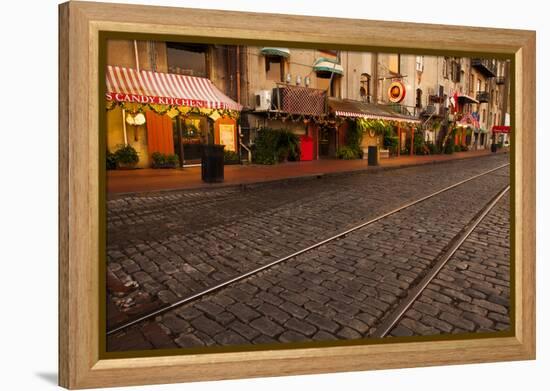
(162, 160)
(127, 157)
(112, 162)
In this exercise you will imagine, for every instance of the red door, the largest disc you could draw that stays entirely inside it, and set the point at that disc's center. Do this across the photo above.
(159, 133)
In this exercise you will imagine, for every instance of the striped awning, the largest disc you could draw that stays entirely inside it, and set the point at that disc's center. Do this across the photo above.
(468, 121)
(348, 108)
(270, 51)
(147, 87)
(327, 65)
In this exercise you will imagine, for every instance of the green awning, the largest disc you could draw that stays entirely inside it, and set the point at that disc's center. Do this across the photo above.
(327, 65)
(281, 52)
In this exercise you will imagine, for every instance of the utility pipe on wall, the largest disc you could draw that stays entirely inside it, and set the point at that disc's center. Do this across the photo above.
(136, 55)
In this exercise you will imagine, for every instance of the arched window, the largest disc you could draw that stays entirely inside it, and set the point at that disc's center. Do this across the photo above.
(364, 89)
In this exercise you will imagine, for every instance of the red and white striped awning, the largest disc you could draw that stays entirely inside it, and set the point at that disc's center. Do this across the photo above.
(147, 87)
(353, 114)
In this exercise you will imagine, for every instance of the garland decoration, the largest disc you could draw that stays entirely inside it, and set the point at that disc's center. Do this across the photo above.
(170, 110)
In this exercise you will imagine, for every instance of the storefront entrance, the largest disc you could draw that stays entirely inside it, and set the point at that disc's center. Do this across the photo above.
(189, 136)
(327, 142)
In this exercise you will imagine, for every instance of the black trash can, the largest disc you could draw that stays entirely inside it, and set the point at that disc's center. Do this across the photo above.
(493, 147)
(373, 155)
(212, 163)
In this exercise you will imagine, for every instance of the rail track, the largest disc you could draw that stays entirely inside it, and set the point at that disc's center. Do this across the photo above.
(389, 321)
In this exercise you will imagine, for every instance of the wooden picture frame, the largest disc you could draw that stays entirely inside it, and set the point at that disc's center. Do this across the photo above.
(81, 192)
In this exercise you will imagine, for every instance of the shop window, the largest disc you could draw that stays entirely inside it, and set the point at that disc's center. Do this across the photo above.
(274, 68)
(187, 59)
(471, 86)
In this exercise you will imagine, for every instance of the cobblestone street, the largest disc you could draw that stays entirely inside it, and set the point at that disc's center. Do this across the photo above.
(166, 246)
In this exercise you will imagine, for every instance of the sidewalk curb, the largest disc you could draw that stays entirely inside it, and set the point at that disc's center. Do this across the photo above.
(251, 185)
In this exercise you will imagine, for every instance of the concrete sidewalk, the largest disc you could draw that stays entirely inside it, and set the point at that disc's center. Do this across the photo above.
(145, 180)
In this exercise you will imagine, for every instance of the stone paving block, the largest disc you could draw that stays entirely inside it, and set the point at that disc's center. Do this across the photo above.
(189, 341)
(266, 326)
(300, 326)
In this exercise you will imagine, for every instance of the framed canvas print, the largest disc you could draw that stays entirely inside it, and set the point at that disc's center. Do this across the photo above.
(258, 195)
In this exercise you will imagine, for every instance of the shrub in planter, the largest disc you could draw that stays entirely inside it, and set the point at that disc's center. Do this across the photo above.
(126, 156)
(288, 146)
(347, 153)
(161, 160)
(274, 145)
(449, 148)
(112, 162)
(230, 157)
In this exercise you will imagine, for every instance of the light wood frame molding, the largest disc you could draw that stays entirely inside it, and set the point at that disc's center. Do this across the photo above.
(80, 365)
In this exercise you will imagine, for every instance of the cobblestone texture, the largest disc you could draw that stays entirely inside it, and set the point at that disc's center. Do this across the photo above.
(472, 292)
(172, 245)
(343, 289)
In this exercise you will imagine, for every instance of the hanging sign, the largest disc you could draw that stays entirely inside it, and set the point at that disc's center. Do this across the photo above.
(396, 92)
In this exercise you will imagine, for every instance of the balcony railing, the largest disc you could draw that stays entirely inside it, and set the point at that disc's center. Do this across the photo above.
(405, 110)
(501, 80)
(485, 66)
(483, 96)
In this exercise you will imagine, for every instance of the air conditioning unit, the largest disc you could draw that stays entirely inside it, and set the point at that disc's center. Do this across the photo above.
(263, 100)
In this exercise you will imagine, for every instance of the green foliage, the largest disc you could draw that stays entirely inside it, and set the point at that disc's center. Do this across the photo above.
(127, 155)
(347, 153)
(449, 146)
(391, 143)
(231, 157)
(161, 160)
(433, 148)
(288, 146)
(420, 147)
(380, 127)
(275, 145)
(112, 162)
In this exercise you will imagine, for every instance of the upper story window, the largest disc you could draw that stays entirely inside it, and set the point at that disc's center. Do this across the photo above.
(364, 89)
(419, 63)
(274, 68)
(393, 63)
(187, 59)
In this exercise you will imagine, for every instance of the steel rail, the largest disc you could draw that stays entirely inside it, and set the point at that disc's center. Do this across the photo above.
(295, 254)
(391, 320)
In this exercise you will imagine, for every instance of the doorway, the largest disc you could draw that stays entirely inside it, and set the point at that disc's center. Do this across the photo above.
(327, 142)
(190, 134)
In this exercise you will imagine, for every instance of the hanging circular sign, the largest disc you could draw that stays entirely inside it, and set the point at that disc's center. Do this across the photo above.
(396, 92)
